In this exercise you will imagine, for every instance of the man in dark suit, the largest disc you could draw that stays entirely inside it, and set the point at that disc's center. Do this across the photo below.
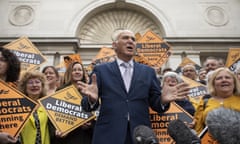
(123, 108)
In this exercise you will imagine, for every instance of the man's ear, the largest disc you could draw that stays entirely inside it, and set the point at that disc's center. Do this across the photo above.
(114, 45)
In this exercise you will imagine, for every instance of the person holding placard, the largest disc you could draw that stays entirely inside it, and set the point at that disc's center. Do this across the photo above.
(172, 79)
(224, 89)
(125, 89)
(9, 72)
(9, 67)
(36, 130)
(83, 134)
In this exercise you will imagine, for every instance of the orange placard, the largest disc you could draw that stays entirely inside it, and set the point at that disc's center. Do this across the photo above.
(186, 61)
(15, 109)
(104, 55)
(160, 122)
(150, 37)
(138, 36)
(108, 55)
(29, 56)
(196, 92)
(151, 46)
(233, 59)
(67, 60)
(64, 109)
(71, 58)
(206, 138)
(141, 59)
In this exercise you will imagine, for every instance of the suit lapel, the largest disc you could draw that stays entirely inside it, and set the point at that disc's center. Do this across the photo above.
(135, 75)
(117, 73)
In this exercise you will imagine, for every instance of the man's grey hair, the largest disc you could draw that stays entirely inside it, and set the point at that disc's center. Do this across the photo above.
(117, 33)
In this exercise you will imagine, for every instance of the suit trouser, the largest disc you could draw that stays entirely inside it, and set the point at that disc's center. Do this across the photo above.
(129, 139)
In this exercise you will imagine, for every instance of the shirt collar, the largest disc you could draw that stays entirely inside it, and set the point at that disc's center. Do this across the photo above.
(119, 62)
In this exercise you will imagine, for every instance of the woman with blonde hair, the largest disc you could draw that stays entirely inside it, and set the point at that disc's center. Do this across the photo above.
(35, 131)
(224, 88)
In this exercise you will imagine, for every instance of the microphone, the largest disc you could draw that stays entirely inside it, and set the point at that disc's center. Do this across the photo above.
(224, 125)
(144, 135)
(182, 134)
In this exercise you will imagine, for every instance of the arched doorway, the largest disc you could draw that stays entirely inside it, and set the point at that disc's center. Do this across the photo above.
(96, 28)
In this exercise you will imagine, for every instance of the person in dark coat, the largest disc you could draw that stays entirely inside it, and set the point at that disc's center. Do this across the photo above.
(83, 134)
(172, 79)
(125, 107)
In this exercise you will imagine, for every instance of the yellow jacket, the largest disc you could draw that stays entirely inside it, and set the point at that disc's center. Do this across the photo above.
(201, 113)
(28, 133)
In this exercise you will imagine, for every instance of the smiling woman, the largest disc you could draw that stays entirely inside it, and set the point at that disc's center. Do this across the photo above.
(33, 84)
(74, 74)
(224, 89)
(9, 66)
(53, 78)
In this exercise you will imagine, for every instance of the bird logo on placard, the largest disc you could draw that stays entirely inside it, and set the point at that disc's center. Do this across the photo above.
(69, 96)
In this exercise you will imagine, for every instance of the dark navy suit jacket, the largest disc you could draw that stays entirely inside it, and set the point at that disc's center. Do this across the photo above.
(117, 103)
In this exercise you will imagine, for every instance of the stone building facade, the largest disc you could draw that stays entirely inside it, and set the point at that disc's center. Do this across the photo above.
(194, 28)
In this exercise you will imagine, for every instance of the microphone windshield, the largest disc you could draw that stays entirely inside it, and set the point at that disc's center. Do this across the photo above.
(224, 125)
(144, 135)
(182, 134)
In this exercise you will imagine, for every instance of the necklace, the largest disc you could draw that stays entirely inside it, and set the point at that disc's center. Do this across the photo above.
(220, 100)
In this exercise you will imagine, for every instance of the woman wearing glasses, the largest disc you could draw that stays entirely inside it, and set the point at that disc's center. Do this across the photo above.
(36, 131)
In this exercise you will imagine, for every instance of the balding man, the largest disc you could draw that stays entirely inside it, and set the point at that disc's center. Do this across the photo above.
(189, 71)
(211, 63)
